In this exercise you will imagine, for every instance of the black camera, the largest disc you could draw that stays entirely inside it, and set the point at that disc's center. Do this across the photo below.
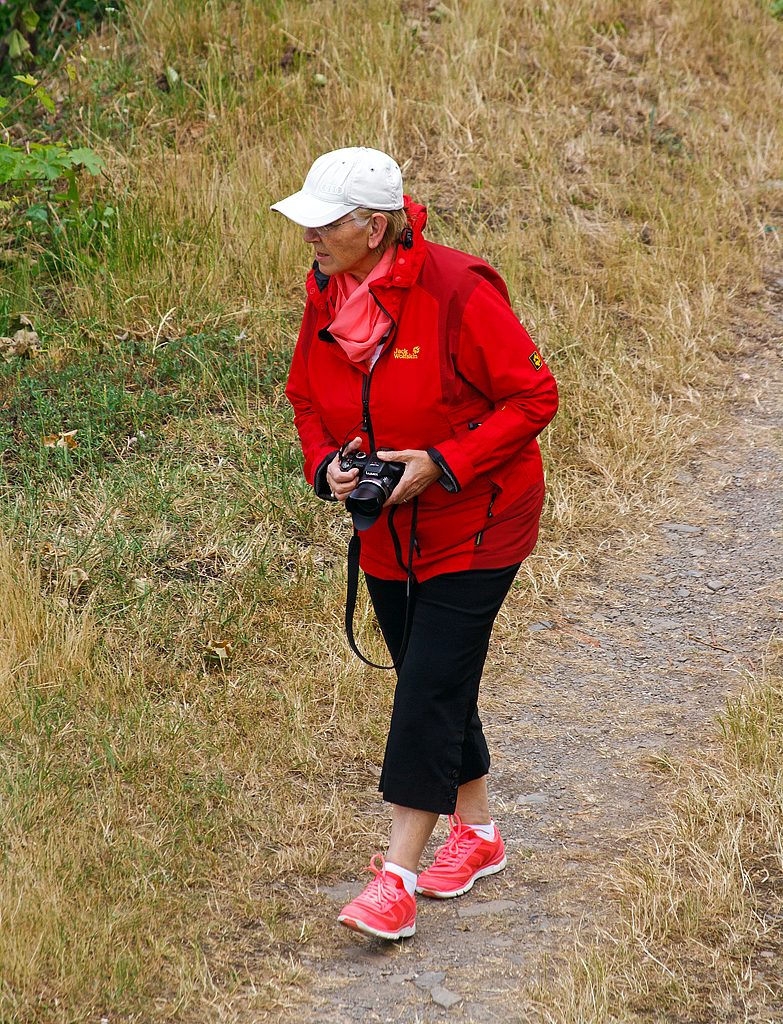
(377, 479)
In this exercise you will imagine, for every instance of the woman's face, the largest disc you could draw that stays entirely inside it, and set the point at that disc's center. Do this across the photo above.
(349, 247)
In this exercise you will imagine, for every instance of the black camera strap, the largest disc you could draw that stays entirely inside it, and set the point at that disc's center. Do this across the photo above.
(354, 550)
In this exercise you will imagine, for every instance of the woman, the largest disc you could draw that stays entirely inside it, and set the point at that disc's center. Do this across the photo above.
(414, 347)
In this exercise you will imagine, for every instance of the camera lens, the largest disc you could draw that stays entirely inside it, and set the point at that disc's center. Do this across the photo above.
(365, 504)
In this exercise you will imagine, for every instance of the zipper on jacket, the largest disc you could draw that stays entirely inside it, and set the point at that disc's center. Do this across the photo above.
(490, 513)
(366, 421)
(366, 418)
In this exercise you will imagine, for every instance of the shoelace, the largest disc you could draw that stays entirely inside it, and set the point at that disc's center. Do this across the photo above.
(382, 884)
(453, 850)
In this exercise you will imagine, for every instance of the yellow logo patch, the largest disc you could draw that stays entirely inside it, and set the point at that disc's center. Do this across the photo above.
(536, 360)
(404, 353)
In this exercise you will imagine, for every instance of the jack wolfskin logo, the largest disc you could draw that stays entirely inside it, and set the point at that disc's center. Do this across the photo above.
(536, 360)
(333, 190)
(403, 353)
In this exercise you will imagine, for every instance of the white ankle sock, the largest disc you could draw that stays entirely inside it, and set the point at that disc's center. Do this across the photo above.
(485, 831)
(409, 877)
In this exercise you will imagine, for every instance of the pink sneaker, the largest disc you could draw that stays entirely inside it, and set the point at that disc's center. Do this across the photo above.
(464, 858)
(384, 908)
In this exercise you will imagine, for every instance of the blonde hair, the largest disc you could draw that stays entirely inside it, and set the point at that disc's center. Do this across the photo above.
(396, 223)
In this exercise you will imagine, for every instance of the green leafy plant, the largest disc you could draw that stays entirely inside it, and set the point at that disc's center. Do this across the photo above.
(40, 162)
(20, 23)
(31, 30)
(49, 211)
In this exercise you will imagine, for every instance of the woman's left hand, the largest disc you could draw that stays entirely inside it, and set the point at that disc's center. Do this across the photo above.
(420, 472)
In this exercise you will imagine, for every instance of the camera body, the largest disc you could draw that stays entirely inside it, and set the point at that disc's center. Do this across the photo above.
(377, 480)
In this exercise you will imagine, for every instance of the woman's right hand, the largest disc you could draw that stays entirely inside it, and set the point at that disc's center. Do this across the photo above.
(341, 484)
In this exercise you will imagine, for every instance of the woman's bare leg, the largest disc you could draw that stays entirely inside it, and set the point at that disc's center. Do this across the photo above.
(411, 828)
(409, 834)
(473, 802)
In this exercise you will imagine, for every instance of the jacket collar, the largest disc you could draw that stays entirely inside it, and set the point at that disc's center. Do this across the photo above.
(408, 261)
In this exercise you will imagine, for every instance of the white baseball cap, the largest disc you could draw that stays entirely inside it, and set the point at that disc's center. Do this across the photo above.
(341, 181)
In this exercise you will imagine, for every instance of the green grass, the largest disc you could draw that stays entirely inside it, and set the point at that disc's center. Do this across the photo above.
(119, 395)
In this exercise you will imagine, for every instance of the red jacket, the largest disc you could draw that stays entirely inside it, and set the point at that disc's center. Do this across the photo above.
(459, 378)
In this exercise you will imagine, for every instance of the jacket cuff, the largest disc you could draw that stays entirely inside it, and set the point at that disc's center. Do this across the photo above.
(448, 481)
(460, 466)
(320, 485)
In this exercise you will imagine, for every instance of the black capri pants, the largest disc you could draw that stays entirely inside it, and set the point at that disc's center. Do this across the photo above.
(436, 743)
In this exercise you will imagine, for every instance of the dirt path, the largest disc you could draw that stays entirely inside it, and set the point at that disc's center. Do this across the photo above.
(639, 663)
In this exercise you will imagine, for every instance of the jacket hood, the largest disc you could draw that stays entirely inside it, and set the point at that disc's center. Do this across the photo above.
(411, 251)
(417, 214)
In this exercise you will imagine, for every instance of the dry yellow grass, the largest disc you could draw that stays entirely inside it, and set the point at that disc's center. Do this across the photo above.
(41, 642)
(702, 900)
(620, 164)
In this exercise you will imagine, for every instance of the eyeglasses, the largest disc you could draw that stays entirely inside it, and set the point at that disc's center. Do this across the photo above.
(327, 228)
